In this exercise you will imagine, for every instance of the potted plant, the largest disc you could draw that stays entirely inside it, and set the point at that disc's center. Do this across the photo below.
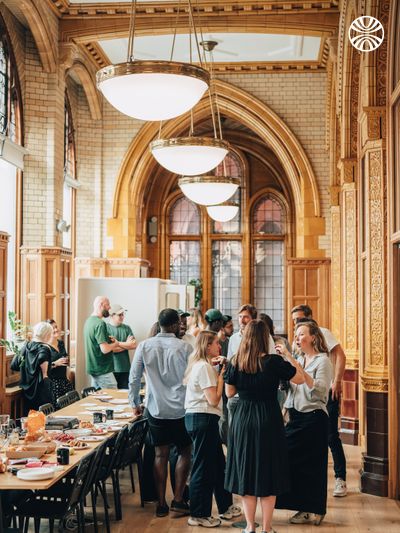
(20, 334)
(198, 290)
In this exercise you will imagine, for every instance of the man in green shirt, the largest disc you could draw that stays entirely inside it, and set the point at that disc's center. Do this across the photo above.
(99, 346)
(126, 339)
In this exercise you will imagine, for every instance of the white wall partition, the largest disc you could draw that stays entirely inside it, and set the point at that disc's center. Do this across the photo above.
(142, 297)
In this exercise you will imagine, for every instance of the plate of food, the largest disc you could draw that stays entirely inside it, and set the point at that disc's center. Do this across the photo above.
(81, 432)
(77, 445)
(92, 438)
(119, 401)
(99, 431)
(63, 437)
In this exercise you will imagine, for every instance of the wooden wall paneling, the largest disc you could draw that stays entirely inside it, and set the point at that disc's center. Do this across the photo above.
(3, 313)
(309, 283)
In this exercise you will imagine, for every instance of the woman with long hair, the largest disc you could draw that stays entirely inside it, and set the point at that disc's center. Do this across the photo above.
(203, 406)
(195, 322)
(257, 461)
(59, 363)
(307, 429)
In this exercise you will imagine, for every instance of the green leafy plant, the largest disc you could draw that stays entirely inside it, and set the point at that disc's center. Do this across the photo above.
(19, 334)
(198, 290)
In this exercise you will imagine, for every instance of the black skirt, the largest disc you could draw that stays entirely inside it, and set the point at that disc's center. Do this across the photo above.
(307, 438)
(257, 459)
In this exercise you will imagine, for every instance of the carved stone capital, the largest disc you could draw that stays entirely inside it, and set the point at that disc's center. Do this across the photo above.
(4, 237)
(348, 170)
(375, 123)
(334, 193)
(374, 384)
(68, 54)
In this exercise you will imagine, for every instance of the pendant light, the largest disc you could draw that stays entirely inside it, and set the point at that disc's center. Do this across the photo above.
(223, 212)
(208, 190)
(192, 156)
(152, 90)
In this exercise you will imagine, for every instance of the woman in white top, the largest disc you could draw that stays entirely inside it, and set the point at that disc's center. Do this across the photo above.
(307, 430)
(203, 406)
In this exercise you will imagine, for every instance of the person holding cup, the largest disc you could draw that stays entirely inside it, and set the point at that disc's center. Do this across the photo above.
(59, 363)
(203, 406)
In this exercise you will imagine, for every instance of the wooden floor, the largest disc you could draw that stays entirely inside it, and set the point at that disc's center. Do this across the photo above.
(356, 513)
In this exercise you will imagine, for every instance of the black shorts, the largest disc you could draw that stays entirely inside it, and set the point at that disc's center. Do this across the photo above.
(166, 431)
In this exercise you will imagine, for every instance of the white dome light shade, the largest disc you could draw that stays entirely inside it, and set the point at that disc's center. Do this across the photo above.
(153, 90)
(189, 156)
(208, 190)
(223, 212)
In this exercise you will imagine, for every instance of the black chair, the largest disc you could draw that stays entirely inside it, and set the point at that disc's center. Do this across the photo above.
(86, 391)
(73, 396)
(41, 506)
(133, 453)
(63, 401)
(107, 469)
(46, 408)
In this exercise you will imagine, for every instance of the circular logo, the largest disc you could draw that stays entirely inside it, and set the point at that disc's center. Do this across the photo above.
(366, 34)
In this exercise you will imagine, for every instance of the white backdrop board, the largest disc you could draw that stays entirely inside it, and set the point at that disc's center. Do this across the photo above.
(142, 297)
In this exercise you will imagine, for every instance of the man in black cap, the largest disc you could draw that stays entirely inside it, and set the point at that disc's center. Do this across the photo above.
(182, 334)
(225, 333)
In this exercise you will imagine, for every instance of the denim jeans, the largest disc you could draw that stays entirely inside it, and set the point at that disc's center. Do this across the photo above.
(335, 444)
(208, 468)
(105, 381)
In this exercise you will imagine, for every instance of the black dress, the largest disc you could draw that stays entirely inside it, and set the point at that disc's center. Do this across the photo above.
(61, 384)
(257, 460)
(36, 389)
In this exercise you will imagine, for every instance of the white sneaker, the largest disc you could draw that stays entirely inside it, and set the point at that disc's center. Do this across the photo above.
(340, 489)
(204, 522)
(232, 512)
(300, 518)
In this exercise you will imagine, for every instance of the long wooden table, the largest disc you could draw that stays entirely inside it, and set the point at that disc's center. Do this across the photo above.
(9, 481)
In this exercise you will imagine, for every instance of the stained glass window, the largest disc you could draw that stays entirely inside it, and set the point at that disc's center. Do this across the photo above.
(184, 262)
(269, 259)
(227, 276)
(268, 218)
(184, 218)
(4, 80)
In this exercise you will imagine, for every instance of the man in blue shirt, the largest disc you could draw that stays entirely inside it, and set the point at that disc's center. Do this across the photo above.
(164, 359)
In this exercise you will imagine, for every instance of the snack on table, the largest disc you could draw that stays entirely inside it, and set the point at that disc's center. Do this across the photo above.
(35, 426)
(3, 467)
(86, 424)
(78, 444)
(63, 437)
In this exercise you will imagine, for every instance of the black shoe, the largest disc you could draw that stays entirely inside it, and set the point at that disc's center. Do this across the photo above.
(162, 510)
(180, 507)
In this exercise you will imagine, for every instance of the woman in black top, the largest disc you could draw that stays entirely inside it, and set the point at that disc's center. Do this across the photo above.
(59, 363)
(257, 460)
(34, 364)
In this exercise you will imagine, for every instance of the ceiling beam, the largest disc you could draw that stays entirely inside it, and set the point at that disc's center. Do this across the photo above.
(88, 27)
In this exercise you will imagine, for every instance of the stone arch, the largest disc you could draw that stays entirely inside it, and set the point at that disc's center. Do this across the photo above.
(39, 27)
(138, 164)
(89, 88)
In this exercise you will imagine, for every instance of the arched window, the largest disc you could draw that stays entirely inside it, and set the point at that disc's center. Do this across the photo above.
(268, 236)
(184, 241)
(226, 253)
(239, 261)
(69, 176)
(9, 91)
(10, 175)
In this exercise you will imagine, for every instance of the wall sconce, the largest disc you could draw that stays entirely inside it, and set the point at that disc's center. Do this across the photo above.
(62, 226)
(152, 229)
